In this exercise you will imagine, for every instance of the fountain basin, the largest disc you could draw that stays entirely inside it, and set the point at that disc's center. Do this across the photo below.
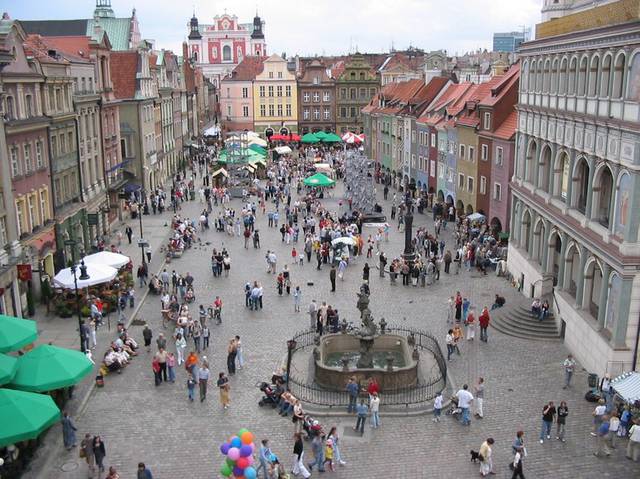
(331, 371)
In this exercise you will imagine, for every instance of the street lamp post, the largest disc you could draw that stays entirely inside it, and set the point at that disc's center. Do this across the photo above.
(291, 346)
(83, 276)
(141, 242)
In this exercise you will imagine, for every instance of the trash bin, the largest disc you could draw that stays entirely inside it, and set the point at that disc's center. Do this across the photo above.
(593, 380)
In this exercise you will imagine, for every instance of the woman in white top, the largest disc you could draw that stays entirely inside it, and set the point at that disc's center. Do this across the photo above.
(181, 345)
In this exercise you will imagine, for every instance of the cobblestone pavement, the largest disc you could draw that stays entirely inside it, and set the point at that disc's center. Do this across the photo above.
(175, 438)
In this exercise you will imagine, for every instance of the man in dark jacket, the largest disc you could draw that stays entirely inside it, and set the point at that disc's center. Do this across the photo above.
(332, 278)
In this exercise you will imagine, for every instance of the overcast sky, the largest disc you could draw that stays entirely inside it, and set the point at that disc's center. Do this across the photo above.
(317, 26)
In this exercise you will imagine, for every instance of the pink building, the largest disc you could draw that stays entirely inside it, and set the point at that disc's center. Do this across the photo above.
(221, 46)
(236, 94)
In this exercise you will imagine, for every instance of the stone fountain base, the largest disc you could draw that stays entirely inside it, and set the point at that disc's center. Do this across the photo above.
(387, 358)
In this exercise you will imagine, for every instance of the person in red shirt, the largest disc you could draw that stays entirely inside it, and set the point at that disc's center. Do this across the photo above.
(484, 324)
(373, 387)
(458, 306)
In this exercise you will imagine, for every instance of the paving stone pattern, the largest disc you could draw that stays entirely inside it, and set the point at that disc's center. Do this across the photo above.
(176, 439)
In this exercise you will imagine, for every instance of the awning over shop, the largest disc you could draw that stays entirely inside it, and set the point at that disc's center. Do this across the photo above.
(131, 187)
(220, 171)
(627, 386)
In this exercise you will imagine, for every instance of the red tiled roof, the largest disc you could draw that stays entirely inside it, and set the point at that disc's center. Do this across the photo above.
(507, 129)
(124, 66)
(247, 69)
(73, 45)
(337, 69)
(36, 46)
(498, 90)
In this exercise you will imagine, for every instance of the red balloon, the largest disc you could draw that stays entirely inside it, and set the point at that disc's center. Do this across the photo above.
(242, 462)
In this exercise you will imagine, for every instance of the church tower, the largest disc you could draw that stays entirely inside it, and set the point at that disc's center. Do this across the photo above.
(194, 32)
(103, 9)
(258, 46)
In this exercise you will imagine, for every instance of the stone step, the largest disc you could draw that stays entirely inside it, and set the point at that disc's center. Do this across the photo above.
(517, 321)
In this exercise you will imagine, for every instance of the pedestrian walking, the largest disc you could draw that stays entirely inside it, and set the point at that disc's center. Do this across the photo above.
(486, 461)
(317, 447)
(450, 341)
(144, 472)
(265, 456)
(171, 367)
(332, 277)
(99, 451)
(479, 398)
(312, 310)
(335, 440)
(563, 412)
(517, 464)
(231, 356)
(353, 389)
(548, 414)
(437, 407)
(598, 414)
(614, 426)
(374, 407)
(602, 434)
(224, 388)
(86, 452)
(569, 366)
(484, 320)
(465, 400)
(203, 380)
(633, 446)
(181, 346)
(191, 387)
(298, 457)
(297, 298)
(68, 431)
(129, 232)
(239, 353)
(362, 411)
(147, 335)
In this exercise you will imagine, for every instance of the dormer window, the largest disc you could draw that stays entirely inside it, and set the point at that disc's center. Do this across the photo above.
(487, 121)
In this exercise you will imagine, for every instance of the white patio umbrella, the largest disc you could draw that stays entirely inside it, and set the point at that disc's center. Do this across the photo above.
(257, 141)
(107, 258)
(282, 150)
(344, 240)
(98, 274)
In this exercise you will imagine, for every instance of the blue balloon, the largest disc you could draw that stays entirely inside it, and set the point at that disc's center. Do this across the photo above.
(238, 471)
(236, 442)
(245, 451)
(224, 449)
(250, 473)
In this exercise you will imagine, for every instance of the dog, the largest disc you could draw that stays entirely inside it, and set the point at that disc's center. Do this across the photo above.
(475, 456)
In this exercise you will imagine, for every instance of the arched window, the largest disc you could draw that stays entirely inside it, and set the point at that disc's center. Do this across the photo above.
(572, 76)
(603, 194)
(563, 76)
(593, 76)
(605, 78)
(546, 76)
(525, 77)
(361, 75)
(592, 286)
(554, 76)
(226, 53)
(11, 108)
(539, 76)
(618, 76)
(611, 316)
(545, 169)
(582, 77)
(581, 190)
(633, 80)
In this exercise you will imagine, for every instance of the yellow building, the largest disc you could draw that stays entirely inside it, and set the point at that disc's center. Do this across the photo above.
(275, 97)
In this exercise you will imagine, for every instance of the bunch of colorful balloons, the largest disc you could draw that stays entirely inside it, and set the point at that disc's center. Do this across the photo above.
(239, 460)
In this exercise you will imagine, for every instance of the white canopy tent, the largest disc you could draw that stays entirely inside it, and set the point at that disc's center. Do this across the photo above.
(98, 274)
(257, 141)
(107, 258)
(283, 150)
(627, 386)
(212, 131)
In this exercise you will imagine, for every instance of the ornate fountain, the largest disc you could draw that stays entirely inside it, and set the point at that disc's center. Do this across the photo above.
(366, 352)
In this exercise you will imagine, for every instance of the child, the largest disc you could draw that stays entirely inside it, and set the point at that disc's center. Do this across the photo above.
(191, 387)
(171, 367)
(294, 255)
(328, 454)
(437, 407)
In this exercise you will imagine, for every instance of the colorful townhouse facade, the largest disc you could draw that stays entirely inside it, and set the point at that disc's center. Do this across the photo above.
(275, 93)
(316, 98)
(236, 95)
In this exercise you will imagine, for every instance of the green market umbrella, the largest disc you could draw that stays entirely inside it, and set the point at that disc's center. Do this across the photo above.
(321, 135)
(47, 367)
(8, 368)
(331, 138)
(25, 415)
(318, 180)
(310, 138)
(16, 333)
(258, 149)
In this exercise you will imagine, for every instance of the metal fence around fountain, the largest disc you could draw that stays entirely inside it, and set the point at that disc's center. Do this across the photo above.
(420, 394)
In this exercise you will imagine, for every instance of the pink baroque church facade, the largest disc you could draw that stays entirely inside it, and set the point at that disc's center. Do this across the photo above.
(217, 48)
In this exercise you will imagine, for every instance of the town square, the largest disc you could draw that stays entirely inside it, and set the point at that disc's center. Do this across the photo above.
(221, 261)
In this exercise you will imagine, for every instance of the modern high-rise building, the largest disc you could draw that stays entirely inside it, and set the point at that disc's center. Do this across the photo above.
(575, 227)
(509, 41)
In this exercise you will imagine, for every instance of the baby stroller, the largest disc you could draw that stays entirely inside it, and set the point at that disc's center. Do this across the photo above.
(190, 296)
(270, 395)
(453, 410)
(311, 426)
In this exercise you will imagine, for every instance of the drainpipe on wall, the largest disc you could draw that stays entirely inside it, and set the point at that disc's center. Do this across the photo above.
(634, 362)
